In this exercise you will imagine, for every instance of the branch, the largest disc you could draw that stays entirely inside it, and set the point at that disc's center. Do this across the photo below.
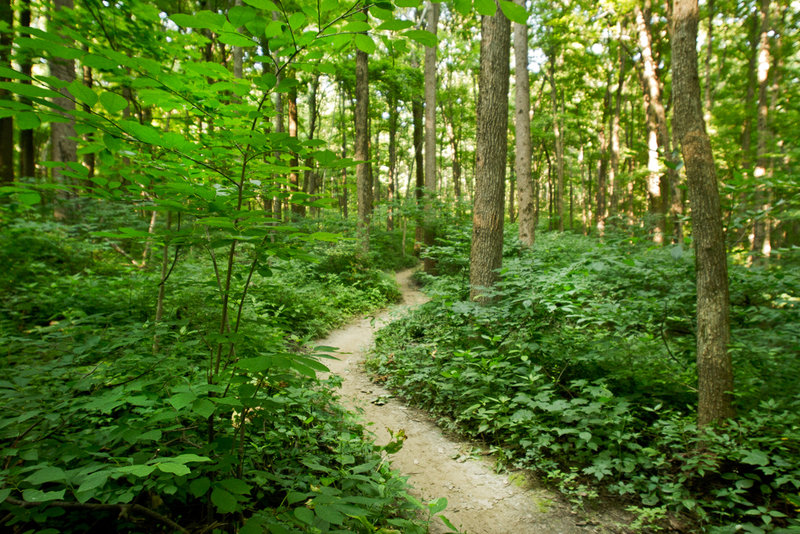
(123, 509)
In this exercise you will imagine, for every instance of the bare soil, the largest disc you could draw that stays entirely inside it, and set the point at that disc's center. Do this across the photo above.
(481, 501)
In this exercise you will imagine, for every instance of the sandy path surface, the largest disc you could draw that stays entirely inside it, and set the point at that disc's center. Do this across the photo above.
(480, 500)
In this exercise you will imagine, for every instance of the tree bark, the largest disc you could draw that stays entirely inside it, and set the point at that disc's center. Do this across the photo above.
(486, 254)
(27, 154)
(429, 235)
(363, 174)
(298, 210)
(6, 123)
(522, 140)
(62, 134)
(559, 144)
(714, 368)
(392, 188)
(760, 246)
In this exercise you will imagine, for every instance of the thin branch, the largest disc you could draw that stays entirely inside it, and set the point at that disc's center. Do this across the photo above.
(123, 509)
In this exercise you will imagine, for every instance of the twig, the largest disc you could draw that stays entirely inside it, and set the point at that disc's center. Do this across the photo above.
(123, 509)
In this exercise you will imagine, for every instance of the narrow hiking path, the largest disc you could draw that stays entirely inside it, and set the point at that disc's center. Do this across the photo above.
(480, 500)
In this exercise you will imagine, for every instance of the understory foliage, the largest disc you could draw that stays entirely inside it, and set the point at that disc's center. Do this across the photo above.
(101, 433)
(583, 369)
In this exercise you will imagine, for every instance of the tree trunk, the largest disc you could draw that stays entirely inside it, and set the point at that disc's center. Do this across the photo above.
(522, 140)
(298, 210)
(760, 243)
(486, 254)
(429, 234)
(417, 114)
(559, 144)
(6, 123)
(363, 174)
(602, 169)
(391, 190)
(311, 177)
(714, 369)
(343, 200)
(656, 121)
(27, 154)
(62, 134)
(613, 170)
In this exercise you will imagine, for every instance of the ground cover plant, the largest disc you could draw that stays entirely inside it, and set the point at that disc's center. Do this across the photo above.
(97, 423)
(582, 369)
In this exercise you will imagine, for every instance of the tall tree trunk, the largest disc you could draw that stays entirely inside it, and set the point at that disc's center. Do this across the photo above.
(613, 170)
(298, 210)
(429, 234)
(311, 178)
(343, 200)
(6, 123)
(714, 368)
(707, 100)
(656, 121)
(392, 188)
(559, 143)
(522, 140)
(277, 201)
(760, 243)
(62, 134)
(419, 166)
(602, 169)
(486, 254)
(27, 155)
(363, 174)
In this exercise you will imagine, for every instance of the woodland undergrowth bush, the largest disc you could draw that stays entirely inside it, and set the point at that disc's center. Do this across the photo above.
(583, 369)
(110, 423)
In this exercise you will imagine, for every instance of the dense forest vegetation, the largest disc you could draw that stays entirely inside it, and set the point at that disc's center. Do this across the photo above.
(604, 195)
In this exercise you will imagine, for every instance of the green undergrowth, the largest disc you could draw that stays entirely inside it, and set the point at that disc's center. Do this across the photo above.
(582, 369)
(111, 424)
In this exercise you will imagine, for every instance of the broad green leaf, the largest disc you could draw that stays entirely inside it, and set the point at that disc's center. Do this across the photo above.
(514, 12)
(236, 486)
(255, 364)
(175, 469)
(437, 506)
(286, 84)
(199, 486)
(142, 132)
(35, 495)
(140, 470)
(364, 43)
(224, 501)
(296, 20)
(266, 5)
(92, 481)
(408, 3)
(274, 28)
(423, 37)
(756, 457)
(5, 72)
(203, 407)
(82, 94)
(113, 102)
(31, 91)
(485, 7)
(99, 62)
(395, 25)
(181, 400)
(28, 120)
(357, 26)
(236, 39)
(4, 493)
(241, 15)
(463, 6)
(380, 13)
(329, 513)
(304, 514)
(47, 474)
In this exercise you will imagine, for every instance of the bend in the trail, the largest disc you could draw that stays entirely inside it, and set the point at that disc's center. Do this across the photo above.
(481, 501)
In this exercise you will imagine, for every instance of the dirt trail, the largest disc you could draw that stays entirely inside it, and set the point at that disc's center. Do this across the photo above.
(480, 500)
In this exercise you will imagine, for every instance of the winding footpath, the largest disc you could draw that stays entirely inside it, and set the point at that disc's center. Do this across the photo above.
(480, 501)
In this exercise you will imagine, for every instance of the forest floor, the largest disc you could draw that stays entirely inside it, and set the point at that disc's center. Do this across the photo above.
(480, 500)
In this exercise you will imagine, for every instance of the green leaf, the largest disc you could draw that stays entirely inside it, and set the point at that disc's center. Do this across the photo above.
(436, 506)
(92, 481)
(35, 495)
(31, 91)
(756, 457)
(365, 43)
(357, 26)
(408, 3)
(266, 5)
(140, 470)
(175, 469)
(99, 62)
(82, 94)
(224, 501)
(113, 102)
(4, 493)
(47, 474)
(304, 514)
(514, 12)
(234, 485)
(255, 364)
(329, 513)
(423, 37)
(28, 120)
(142, 132)
(296, 20)
(5, 72)
(236, 39)
(189, 457)
(199, 486)
(395, 25)
(485, 7)
(241, 15)
(203, 407)
(463, 6)
(286, 84)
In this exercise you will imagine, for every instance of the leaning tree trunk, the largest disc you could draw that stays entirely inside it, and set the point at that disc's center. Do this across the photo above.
(486, 254)
(714, 368)
(522, 141)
